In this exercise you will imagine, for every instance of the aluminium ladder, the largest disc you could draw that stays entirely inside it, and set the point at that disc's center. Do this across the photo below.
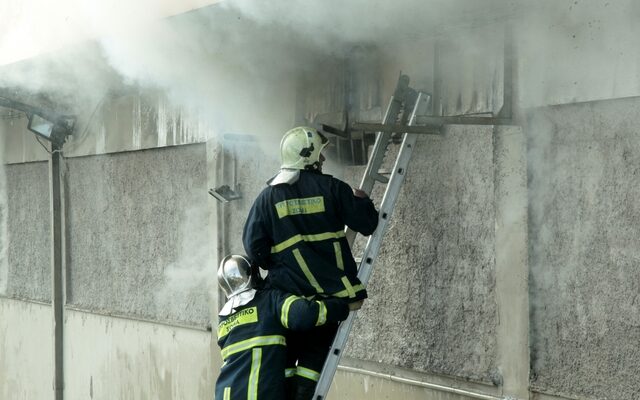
(403, 100)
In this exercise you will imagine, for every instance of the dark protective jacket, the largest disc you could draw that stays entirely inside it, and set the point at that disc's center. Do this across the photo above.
(253, 343)
(296, 232)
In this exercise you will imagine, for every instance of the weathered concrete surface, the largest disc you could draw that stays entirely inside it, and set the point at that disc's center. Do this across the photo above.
(105, 358)
(584, 163)
(29, 231)
(138, 236)
(26, 355)
(432, 302)
(112, 358)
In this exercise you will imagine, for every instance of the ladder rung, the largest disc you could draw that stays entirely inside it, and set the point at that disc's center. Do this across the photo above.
(379, 177)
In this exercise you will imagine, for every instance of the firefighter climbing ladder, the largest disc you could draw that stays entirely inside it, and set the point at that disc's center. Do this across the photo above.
(403, 100)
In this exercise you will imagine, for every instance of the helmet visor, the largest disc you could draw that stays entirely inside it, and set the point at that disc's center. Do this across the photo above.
(234, 275)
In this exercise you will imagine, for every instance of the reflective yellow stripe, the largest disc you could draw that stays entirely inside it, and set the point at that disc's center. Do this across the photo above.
(322, 313)
(307, 272)
(306, 238)
(345, 293)
(254, 376)
(338, 250)
(350, 292)
(227, 393)
(308, 373)
(307, 205)
(253, 342)
(284, 316)
(289, 372)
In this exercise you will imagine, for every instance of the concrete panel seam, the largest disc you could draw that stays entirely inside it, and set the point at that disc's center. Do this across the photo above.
(26, 300)
(138, 319)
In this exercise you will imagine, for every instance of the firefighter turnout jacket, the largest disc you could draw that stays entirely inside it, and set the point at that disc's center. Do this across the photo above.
(253, 345)
(296, 232)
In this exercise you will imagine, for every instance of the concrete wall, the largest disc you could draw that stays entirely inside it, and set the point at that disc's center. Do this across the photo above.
(138, 235)
(128, 359)
(138, 245)
(28, 274)
(26, 337)
(106, 357)
(584, 280)
(432, 296)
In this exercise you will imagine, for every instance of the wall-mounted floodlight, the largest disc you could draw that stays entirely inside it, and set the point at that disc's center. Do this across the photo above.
(54, 130)
(225, 194)
(48, 125)
(40, 126)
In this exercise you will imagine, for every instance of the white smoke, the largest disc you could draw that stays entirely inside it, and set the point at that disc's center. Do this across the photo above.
(192, 274)
(233, 66)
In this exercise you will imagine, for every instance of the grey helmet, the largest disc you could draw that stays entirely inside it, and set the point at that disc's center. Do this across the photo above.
(235, 275)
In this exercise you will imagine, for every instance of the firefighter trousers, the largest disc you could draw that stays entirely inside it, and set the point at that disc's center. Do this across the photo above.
(306, 354)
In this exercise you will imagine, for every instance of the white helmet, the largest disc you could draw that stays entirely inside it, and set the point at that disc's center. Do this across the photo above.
(300, 148)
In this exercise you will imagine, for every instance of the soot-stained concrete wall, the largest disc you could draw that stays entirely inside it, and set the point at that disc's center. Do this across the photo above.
(138, 234)
(29, 230)
(584, 167)
(432, 302)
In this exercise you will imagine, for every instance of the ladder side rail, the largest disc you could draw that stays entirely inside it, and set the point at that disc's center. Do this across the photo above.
(371, 173)
(370, 253)
(335, 354)
(391, 193)
(380, 147)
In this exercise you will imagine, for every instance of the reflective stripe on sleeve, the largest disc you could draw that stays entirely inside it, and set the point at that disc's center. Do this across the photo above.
(254, 376)
(338, 250)
(308, 373)
(322, 313)
(227, 393)
(306, 238)
(251, 343)
(307, 272)
(345, 293)
(350, 291)
(289, 372)
(284, 316)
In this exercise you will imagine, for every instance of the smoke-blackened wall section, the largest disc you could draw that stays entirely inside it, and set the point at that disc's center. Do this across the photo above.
(431, 300)
(137, 234)
(29, 228)
(584, 164)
